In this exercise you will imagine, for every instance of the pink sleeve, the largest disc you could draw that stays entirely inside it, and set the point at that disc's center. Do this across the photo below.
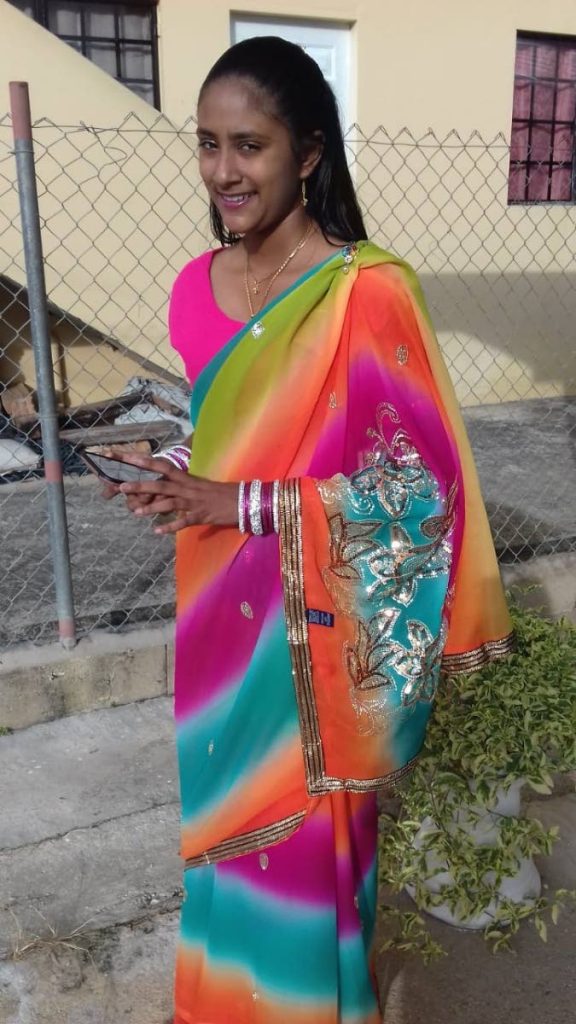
(198, 328)
(185, 304)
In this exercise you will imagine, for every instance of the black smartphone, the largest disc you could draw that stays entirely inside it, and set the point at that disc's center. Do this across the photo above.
(114, 471)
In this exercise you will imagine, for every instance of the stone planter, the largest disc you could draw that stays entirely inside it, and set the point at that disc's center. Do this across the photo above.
(522, 887)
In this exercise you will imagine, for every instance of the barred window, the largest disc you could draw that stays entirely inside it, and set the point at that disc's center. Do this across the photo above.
(121, 38)
(543, 143)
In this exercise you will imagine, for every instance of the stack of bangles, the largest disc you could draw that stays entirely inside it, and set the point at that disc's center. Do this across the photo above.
(258, 507)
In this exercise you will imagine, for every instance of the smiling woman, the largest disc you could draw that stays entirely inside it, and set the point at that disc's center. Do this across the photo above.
(333, 555)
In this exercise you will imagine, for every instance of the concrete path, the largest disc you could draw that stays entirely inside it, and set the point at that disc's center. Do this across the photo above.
(89, 831)
(90, 886)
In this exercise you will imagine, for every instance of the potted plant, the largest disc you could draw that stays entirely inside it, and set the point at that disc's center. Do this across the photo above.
(461, 844)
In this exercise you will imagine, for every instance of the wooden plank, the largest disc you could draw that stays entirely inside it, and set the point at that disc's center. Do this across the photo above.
(121, 433)
(18, 402)
(91, 412)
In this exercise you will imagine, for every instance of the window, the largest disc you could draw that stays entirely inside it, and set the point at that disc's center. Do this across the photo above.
(543, 144)
(119, 37)
(327, 42)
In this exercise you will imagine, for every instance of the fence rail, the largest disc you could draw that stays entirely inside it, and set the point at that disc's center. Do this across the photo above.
(123, 209)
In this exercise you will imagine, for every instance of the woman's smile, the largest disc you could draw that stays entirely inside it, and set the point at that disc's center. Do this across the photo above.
(233, 200)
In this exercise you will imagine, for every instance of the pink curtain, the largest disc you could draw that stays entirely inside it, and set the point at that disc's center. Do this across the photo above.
(544, 91)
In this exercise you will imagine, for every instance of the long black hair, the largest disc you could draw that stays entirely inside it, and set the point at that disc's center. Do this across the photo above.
(302, 99)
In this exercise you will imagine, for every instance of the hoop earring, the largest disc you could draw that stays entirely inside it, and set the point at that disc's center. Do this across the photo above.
(304, 196)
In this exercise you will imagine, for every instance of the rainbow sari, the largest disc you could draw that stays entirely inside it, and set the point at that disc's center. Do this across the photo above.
(306, 665)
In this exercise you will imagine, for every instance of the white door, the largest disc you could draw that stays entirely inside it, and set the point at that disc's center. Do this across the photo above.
(328, 42)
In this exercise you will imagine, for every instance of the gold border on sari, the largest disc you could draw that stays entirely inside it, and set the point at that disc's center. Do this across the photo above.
(236, 846)
(471, 661)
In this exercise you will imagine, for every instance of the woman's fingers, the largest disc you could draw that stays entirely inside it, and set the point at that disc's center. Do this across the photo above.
(138, 501)
(175, 525)
(153, 465)
(156, 506)
(158, 487)
(109, 490)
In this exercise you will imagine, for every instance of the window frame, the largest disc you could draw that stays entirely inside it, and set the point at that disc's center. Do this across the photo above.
(542, 38)
(41, 15)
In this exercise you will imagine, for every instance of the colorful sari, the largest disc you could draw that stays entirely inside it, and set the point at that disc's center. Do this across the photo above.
(306, 665)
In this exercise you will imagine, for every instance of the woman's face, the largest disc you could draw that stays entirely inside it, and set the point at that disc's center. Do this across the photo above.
(246, 158)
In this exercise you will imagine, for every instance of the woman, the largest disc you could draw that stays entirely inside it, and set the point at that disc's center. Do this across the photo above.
(332, 551)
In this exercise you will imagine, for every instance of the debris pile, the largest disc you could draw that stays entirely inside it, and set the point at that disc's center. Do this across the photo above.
(147, 416)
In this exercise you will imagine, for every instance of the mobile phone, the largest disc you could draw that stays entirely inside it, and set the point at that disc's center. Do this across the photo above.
(114, 471)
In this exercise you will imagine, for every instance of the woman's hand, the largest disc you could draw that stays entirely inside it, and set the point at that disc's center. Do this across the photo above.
(192, 500)
(133, 501)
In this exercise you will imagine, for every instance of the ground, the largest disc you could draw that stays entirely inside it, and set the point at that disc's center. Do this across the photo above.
(91, 888)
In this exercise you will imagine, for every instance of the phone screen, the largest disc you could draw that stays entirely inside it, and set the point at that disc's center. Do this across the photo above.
(115, 471)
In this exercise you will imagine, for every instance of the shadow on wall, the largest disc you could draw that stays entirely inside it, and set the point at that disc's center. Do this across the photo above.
(506, 335)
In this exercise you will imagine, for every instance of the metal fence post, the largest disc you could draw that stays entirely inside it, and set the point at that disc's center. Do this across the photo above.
(28, 195)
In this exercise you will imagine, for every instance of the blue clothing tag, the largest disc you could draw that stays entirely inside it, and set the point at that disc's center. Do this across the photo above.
(315, 617)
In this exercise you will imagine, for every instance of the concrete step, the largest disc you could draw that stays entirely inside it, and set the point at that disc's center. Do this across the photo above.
(89, 827)
(41, 683)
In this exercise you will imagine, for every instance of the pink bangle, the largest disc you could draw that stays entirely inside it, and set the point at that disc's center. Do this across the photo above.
(246, 504)
(266, 509)
(179, 456)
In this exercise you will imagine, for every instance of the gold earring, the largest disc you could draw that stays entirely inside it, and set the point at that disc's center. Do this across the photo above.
(304, 196)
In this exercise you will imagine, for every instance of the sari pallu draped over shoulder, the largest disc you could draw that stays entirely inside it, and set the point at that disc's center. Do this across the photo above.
(308, 663)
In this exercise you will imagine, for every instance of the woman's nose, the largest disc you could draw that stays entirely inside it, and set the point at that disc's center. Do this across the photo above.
(226, 171)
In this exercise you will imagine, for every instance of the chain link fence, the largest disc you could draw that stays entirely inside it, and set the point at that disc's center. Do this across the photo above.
(123, 210)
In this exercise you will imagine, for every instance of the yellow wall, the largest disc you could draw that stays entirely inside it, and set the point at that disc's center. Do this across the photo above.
(448, 64)
(124, 210)
(86, 368)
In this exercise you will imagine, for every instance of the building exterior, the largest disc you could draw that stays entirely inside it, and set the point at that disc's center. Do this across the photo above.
(446, 65)
(127, 209)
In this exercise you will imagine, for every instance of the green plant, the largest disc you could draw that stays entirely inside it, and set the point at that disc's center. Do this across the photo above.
(513, 720)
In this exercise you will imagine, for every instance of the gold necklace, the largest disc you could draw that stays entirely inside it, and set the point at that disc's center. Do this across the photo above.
(256, 282)
(275, 273)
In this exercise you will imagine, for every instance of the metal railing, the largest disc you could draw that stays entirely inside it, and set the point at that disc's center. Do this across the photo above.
(122, 210)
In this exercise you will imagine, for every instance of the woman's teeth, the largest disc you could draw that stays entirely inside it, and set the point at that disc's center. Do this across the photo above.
(235, 200)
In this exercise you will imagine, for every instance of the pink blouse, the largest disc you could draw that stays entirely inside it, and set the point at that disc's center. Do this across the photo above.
(198, 327)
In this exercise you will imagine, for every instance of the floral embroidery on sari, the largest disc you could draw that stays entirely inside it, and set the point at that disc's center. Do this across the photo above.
(389, 536)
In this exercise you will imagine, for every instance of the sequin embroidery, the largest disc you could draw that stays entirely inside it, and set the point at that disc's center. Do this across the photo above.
(390, 536)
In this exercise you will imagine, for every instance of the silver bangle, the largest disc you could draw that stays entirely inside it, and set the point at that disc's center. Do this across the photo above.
(255, 508)
(178, 455)
(241, 517)
(276, 506)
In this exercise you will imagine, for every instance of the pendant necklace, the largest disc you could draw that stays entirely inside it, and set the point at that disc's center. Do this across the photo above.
(271, 277)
